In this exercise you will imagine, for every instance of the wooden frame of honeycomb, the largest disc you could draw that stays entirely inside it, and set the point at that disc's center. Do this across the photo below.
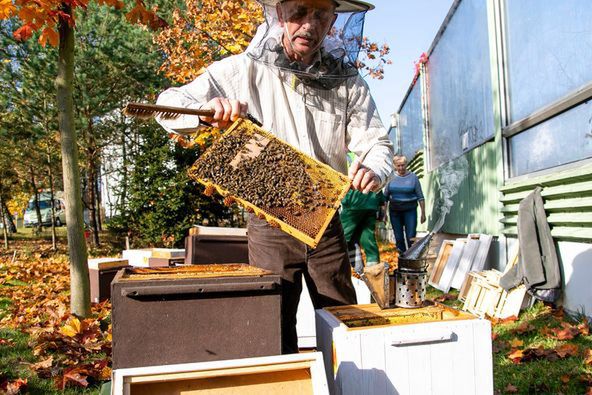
(273, 180)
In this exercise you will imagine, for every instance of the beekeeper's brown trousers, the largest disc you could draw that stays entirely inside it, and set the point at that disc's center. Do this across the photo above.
(326, 270)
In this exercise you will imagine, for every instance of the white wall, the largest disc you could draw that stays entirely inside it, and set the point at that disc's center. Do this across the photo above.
(576, 266)
(575, 260)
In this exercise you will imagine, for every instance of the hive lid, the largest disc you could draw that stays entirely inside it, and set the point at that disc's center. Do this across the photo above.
(364, 316)
(272, 179)
(195, 271)
(107, 263)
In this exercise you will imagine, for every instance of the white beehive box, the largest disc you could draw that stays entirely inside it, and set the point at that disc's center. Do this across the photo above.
(141, 257)
(447, 356)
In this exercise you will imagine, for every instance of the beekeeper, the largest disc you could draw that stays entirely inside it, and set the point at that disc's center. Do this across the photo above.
(298, 77)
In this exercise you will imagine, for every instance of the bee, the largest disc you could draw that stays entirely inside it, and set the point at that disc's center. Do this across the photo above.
(210, 189)
(229, 200)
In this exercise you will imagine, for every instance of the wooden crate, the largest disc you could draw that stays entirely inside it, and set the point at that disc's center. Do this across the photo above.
(431, 350)
(293, 374)
(484, 296)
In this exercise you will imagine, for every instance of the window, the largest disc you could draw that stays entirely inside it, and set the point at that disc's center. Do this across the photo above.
(410, 124)
(549, 52)
(459, 85)
(563, 139)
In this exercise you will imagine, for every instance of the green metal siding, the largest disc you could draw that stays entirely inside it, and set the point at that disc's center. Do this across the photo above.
(475, 206)
(568, 202)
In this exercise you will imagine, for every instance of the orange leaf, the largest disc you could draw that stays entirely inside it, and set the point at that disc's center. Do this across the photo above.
(515, 343)
(23, 33)
(584, 328)
(76, 376)
(524, 328)
(50, 36)
(566, 332)
(72, 327)
(588, 357)
(45, 364)
(565, 378)
(516, 356)
(567, 350)
(16, 386)
(7, 9)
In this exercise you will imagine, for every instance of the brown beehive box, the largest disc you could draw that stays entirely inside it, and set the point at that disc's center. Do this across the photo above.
(274, 180)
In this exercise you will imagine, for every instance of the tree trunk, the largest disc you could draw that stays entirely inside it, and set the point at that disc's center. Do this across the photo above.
(79, 282)
(8, 217)
(92, 214)
(54, 246)
(36, 194)
(4, 223)
(99, 200)
(91, 151)
(123, 196)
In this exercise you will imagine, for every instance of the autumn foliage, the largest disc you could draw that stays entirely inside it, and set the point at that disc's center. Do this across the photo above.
(207, 31)
(43, 16)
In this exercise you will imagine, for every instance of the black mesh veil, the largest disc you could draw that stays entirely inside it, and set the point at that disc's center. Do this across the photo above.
(335, 58)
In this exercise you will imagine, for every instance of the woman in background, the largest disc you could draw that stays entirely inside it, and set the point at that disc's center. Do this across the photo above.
(403, 194)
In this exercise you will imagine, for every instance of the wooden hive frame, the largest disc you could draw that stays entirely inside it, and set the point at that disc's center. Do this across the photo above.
(485, 297)
(293, 374)
(316, 170)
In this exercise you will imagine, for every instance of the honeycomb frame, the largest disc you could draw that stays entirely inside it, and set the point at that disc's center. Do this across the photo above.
(305, 222)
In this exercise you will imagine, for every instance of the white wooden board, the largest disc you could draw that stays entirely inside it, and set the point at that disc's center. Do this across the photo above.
(440, 262)
(466, 261)
(481, 257)
(451, 264)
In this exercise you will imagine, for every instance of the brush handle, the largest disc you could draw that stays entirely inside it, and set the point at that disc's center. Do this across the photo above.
(173, 110)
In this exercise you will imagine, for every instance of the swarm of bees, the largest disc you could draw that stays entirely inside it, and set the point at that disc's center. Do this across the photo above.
(276, 179)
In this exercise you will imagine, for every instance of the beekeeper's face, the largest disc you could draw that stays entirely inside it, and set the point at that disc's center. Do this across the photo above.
(305, 23)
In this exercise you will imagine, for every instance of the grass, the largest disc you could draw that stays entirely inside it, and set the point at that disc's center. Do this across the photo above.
(539, 376)
(29, 234)
(15, 359)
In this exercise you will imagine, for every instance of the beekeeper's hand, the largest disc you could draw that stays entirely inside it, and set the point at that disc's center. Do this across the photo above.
(362, 178)
(226, 111)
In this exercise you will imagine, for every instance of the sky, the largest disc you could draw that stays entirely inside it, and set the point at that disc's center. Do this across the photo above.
(408, 27)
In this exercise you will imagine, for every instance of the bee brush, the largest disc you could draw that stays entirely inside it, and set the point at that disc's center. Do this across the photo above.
(147, 111)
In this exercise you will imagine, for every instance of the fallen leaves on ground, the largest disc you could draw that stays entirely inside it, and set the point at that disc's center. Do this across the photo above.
(13, 387)
(565, 332)
(71, 351)
(551, 354)
(524, 328)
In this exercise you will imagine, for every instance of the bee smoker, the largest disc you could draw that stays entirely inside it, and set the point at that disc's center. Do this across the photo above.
(411, 276)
